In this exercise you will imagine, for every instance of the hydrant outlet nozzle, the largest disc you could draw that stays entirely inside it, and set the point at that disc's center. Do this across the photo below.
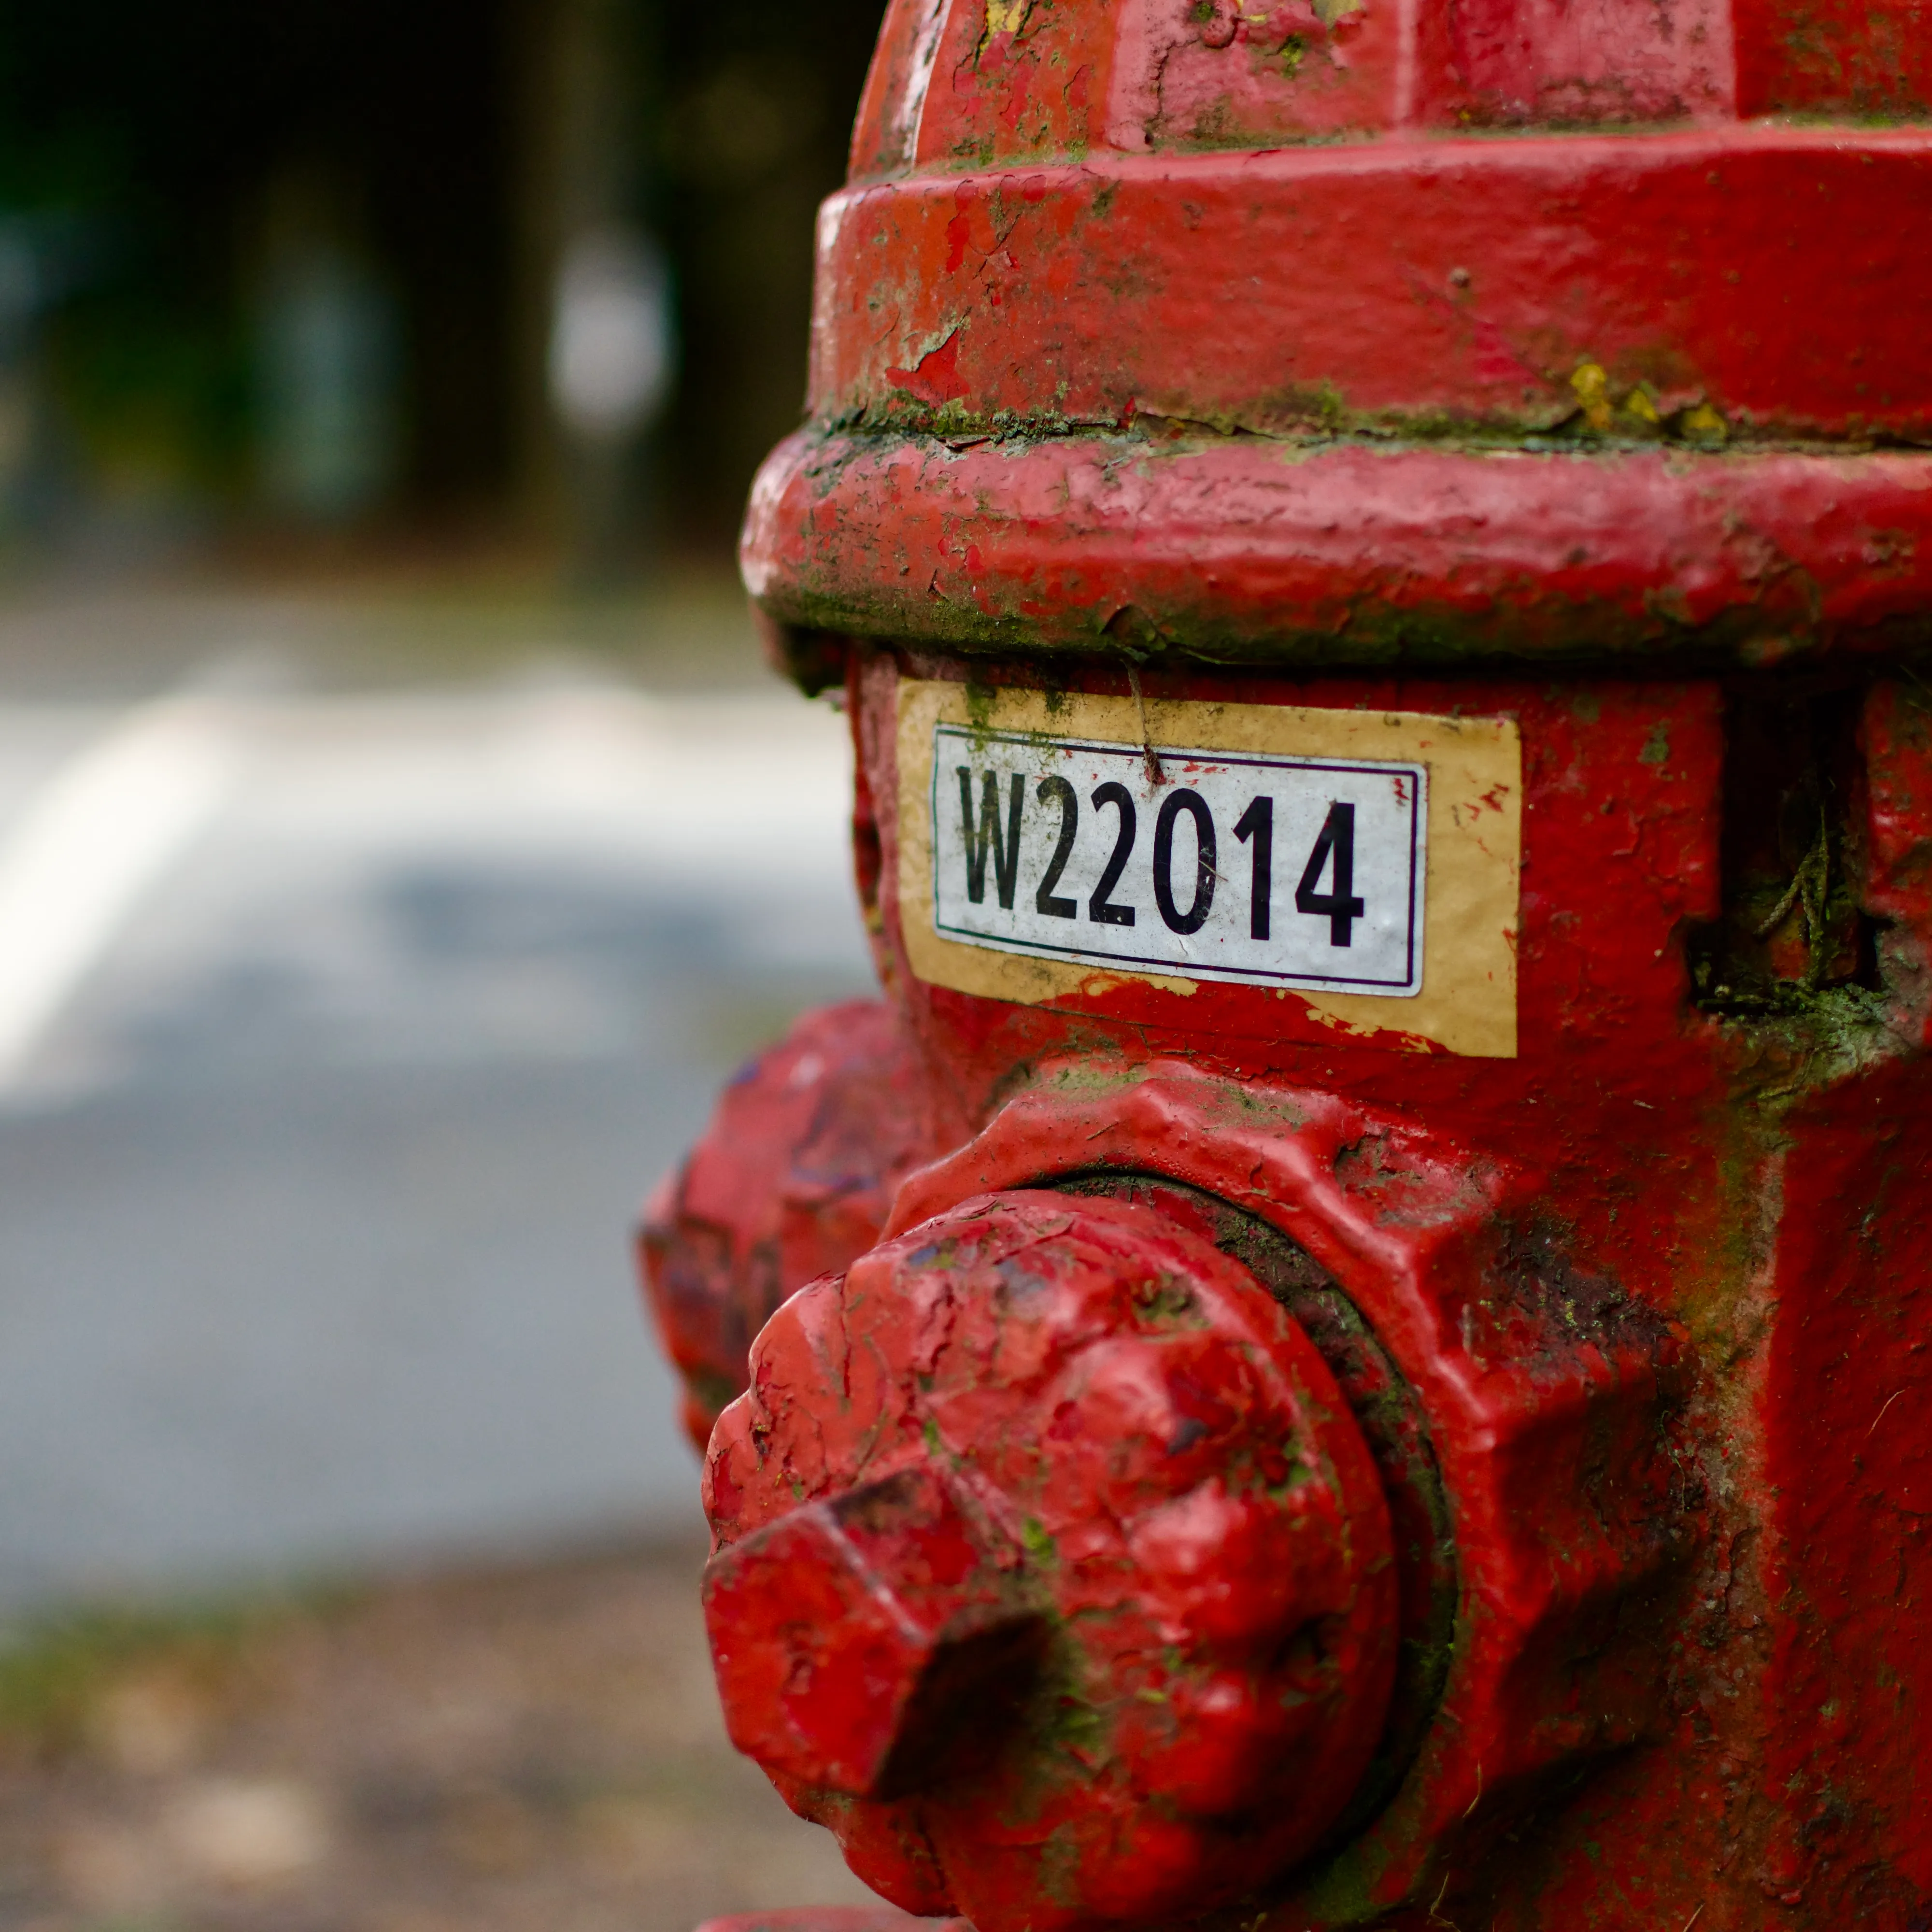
(1045, 1531)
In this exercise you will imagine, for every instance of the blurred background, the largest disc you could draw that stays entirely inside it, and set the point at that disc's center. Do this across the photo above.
(400, 842)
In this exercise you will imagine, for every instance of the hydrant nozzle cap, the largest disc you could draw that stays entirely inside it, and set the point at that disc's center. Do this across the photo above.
(867, 1633)
(1053, 1572)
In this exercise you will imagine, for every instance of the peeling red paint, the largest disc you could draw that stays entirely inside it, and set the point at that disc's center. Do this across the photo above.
(934, 378)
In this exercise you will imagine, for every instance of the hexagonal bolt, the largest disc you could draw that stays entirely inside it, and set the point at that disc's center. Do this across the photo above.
(874, 1642)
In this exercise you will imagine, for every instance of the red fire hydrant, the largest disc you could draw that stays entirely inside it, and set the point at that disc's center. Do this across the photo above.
(1350, 1344)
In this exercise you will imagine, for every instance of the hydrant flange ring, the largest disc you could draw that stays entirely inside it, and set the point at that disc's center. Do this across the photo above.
(1547, 1435)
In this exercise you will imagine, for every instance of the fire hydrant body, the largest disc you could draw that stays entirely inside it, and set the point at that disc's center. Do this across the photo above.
(1349, 1346)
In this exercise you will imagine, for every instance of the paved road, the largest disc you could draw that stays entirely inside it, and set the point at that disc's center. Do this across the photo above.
(340, 1035)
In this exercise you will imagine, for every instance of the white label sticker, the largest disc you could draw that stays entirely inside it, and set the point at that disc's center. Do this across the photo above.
(1216, 866)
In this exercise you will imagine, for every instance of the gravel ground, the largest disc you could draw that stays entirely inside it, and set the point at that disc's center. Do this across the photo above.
(529, 1750)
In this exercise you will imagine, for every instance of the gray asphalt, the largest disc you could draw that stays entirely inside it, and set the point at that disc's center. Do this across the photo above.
(316, 1180)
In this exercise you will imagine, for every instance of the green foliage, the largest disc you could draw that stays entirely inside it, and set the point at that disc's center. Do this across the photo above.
(54, 1672)
(156, 397)
(55, 1669)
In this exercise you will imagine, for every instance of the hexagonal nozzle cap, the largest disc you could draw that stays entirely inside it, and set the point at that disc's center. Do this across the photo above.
(858, 1641)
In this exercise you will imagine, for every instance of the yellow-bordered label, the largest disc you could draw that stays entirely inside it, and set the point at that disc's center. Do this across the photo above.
(1364, 863)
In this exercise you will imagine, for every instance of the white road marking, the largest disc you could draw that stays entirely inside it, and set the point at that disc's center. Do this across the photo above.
(91, 845)
(738, 800)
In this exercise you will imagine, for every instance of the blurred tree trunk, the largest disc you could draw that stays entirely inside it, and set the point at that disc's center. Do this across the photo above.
(583, 172)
